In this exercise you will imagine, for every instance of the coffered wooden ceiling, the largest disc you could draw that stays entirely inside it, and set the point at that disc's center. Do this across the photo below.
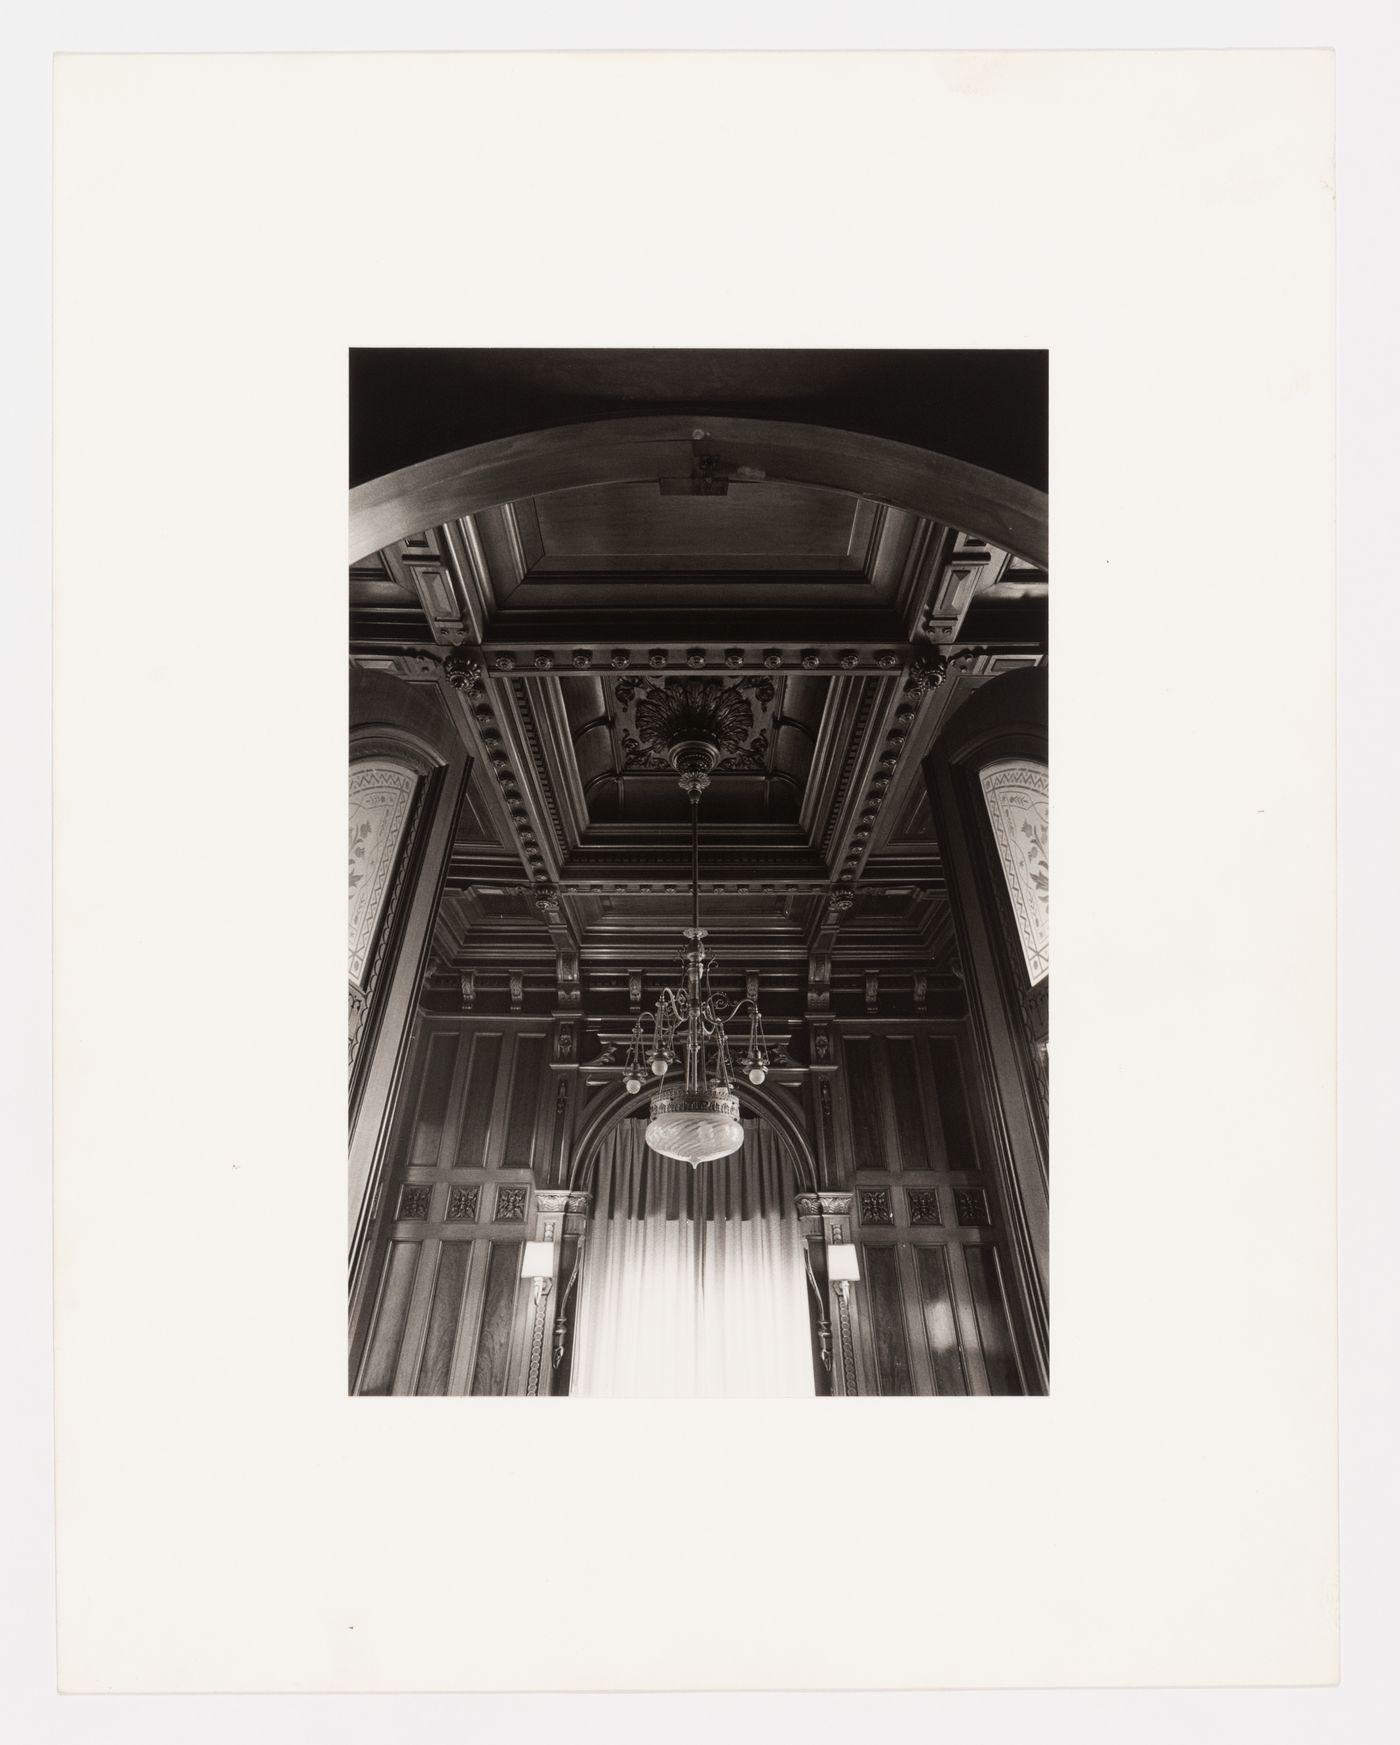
(798, 567)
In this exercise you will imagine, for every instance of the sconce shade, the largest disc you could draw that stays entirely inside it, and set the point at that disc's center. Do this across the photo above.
(842, 1262)
(538, 1260)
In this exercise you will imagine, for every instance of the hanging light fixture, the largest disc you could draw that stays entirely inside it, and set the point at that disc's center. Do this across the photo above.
(694, 1116)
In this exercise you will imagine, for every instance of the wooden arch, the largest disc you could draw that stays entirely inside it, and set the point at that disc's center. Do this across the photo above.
(630, 450)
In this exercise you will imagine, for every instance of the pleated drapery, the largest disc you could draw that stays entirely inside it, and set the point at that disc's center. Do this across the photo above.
(693, 1281)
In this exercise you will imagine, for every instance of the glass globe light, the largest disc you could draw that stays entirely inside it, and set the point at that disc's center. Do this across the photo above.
(695, 1127)
(659, 1065)
(633, 1084)
(757, 1075)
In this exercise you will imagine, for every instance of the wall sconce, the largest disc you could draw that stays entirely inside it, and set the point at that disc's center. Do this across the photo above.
(538, 1263)
(842, 1267)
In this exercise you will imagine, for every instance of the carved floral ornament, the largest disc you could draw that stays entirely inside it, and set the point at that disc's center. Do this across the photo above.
(694, 711)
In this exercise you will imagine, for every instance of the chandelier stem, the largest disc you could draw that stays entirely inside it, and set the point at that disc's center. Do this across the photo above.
(695, 865)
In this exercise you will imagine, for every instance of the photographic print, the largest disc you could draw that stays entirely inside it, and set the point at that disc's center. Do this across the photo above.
(698, 873)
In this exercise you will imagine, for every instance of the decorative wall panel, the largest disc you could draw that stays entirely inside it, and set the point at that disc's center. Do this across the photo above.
(940, 1321)
(951, 1139)
(380, 795)
(493, 1348)
(431, 1118)
(462, 1204)
(445, 1317)
(481, 1090)
(529, 1088)
(994, 1335)
(907, 1096)
(1018, 803)
(881, 1269)
(381, 1359)
(414, 1202)
(875, 1206)
(862, 1087)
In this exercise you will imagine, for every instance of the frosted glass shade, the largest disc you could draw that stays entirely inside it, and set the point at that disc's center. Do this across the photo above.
(842, 1264)
(537, 1260)
(695, 1127)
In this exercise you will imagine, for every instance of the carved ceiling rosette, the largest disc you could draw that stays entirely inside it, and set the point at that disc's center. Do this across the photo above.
(695, 725)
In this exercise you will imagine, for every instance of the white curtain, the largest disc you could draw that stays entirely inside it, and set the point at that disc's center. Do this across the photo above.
(693, 1282)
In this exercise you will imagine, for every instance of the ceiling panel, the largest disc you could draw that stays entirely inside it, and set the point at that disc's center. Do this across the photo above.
(624, 775)
(749, 527)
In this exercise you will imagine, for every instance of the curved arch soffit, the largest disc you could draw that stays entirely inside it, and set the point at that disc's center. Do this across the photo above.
(638, 450)
(619, 1105)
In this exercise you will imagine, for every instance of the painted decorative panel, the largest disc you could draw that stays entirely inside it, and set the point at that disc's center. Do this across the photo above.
(1018, 803)
(380, 794)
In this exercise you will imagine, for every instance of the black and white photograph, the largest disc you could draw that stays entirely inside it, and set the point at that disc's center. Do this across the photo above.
(699, 956)
(644, 471)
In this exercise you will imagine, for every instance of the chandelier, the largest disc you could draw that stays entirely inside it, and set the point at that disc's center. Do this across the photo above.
(695, 1115)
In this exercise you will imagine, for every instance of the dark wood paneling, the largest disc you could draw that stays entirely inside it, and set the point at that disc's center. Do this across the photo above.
(998, 1353)
(941, 1321)
(493, 1347)
(445, 1317)
(432, 1102)
(390, 1315)
(907, 1096)
(881, 1270)
(481, 1090)
(862, 1090)
(529, 1093)
(951, 1119)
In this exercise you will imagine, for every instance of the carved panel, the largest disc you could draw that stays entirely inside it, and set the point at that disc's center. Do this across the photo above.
(414, 1201)
(462, 1205)
(1018, 803)
(510, 1205)
(924, 1207)
(875, 1207)
(971, 1206)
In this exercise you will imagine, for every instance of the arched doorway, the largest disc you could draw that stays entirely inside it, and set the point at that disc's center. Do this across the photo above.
(693, 1282)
